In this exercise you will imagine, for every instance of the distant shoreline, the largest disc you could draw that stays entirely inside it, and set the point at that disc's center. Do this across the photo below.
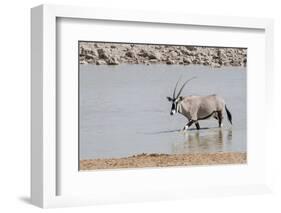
(165, 160)
(114, 54)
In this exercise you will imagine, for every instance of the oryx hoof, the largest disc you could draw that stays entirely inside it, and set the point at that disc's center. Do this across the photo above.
(185, 128)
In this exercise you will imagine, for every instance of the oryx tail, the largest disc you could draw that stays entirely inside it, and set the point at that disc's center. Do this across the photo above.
(229, 116)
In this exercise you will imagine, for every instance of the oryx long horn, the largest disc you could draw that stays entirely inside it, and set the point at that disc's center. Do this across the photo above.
(174, 94)
(184, 86)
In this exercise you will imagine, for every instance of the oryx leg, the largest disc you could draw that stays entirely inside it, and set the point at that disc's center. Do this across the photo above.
(197, 125)
(220, 118)
(216, 116)
(188, 124)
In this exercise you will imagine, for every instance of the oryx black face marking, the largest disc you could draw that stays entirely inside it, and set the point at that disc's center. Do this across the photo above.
(174, 108)
(175, 102)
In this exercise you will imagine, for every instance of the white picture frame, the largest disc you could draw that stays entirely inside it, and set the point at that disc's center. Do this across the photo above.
(45, 169)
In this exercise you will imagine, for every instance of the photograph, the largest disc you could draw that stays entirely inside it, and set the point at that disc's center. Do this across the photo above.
(146, 105)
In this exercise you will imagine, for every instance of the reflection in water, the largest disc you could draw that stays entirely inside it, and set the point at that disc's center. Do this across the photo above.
(211, 140)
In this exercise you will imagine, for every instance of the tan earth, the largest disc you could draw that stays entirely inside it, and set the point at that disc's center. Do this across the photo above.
(165, 160)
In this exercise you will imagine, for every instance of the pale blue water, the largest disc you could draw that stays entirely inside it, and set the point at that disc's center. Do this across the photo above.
(124, 110)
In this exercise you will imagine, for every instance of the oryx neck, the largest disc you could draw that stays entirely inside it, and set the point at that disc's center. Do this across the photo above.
(179, 108)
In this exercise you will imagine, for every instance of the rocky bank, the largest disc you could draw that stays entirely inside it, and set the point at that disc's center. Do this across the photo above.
(115, 54)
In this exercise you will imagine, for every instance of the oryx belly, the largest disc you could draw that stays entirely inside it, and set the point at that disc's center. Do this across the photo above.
(206, 114)
(201, 107)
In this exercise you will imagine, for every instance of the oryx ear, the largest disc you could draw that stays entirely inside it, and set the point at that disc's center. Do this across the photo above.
(180, 98)
(169, 98)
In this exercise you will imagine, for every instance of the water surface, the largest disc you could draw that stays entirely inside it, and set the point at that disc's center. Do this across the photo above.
(124, 110)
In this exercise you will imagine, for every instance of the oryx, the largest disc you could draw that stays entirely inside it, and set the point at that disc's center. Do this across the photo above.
(196, 108)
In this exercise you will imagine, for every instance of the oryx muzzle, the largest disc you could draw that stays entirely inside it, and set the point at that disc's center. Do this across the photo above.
(196, 108)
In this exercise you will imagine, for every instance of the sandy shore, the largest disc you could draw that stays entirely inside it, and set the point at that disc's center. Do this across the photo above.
(164, 160)
(115, 54)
